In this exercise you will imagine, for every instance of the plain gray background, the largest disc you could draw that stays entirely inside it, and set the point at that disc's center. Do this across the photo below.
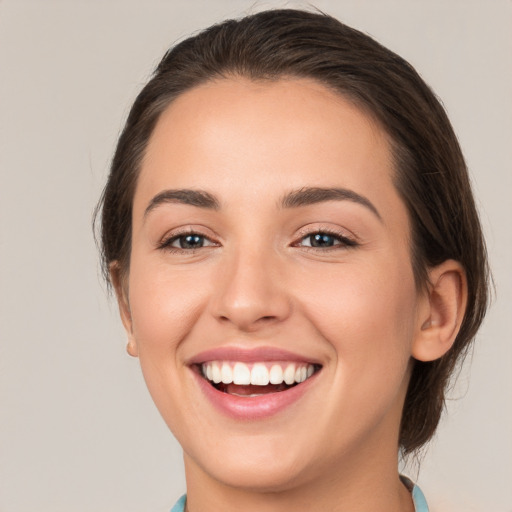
(78, 431)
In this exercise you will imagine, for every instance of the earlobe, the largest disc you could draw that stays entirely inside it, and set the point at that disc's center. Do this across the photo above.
(131, 347)
(124, 306)
(442, 311)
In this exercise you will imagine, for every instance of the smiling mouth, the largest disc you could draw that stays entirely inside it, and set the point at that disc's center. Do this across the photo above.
(255, 379)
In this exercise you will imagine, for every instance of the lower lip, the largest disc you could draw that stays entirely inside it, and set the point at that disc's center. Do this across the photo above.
(255, 407)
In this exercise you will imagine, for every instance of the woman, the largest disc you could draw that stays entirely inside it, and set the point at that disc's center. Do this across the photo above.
(291, 234)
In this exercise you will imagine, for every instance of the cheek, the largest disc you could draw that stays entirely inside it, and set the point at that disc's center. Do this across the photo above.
(164, 305)
(368, 316)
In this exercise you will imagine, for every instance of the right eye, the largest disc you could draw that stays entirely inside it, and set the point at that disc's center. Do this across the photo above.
(187, 242)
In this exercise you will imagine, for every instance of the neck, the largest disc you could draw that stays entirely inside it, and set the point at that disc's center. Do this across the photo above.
(357, 486)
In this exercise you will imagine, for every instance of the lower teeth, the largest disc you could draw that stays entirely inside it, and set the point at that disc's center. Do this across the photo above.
(244, 396)
(252, 390)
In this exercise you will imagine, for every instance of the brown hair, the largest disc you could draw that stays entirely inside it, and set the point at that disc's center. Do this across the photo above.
(431, 174)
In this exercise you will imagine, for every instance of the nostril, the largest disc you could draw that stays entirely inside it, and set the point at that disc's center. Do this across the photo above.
(263, 319)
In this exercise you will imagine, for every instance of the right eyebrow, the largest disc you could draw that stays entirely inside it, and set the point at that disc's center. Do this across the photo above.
(199, 198)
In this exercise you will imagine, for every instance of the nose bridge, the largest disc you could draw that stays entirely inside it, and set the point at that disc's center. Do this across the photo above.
(252, 289)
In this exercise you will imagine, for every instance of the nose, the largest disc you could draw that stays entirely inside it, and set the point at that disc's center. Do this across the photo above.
(252, 292)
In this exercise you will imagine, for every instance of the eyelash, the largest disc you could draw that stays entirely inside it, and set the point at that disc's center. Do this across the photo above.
(344, 242)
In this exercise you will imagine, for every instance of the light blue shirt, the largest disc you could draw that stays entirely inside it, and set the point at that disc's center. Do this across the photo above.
(420, 503)
(180, 504)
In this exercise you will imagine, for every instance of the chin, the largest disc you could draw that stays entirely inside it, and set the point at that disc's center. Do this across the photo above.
(261, 469)
(263, 477)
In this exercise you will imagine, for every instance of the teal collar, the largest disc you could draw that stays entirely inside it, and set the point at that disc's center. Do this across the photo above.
(420, 503)
(180, 504)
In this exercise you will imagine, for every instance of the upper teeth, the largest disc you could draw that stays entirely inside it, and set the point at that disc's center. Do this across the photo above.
(257, 374)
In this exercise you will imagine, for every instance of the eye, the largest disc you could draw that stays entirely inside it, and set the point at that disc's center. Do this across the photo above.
(187, 242)
(326, 240)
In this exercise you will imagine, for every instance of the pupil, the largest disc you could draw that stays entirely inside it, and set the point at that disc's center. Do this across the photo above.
(322, 240)
(191, 242)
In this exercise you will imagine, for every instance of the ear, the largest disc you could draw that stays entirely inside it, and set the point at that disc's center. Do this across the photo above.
(121, 290)
(441, 312)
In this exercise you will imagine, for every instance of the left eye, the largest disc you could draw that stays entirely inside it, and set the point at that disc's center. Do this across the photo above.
(325, 240)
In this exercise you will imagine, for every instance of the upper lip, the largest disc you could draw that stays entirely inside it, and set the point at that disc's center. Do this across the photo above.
(249, 355)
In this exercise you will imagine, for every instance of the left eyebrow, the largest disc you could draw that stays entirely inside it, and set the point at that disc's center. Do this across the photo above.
(310, 195)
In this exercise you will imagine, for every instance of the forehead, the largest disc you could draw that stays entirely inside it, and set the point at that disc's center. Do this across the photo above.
(243, 138)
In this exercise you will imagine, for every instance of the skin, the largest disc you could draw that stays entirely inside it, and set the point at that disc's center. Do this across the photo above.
(256, 282)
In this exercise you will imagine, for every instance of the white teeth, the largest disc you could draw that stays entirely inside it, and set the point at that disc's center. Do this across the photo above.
(226, 374)
(216, 376)
(241, 374)
(259, 375)
(301, 374)
(289, 374)
(256, 374)
(276, 374)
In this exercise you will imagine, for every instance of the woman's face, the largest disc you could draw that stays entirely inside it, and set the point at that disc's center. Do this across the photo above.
(269, 243)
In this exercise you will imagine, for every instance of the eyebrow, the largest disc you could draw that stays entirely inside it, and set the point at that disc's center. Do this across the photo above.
(310, 195)
(198, 198)
(296, 198)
